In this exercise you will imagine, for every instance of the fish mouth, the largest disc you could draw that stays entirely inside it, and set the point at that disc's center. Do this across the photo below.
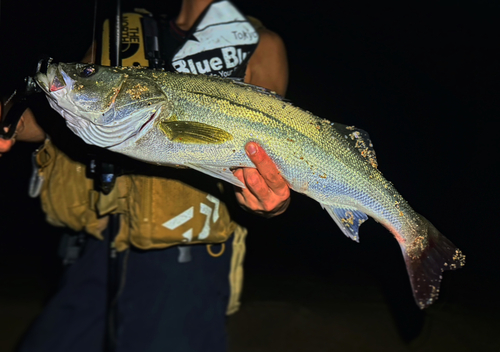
(52, 79)
(58, 83)
(42, 69)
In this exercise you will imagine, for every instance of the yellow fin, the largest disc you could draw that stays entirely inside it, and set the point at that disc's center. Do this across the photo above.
(191, 132)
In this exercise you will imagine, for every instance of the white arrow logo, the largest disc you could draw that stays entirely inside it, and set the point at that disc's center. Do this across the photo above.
(188, 214)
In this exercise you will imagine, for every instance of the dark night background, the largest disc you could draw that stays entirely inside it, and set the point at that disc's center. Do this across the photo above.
(420, 77)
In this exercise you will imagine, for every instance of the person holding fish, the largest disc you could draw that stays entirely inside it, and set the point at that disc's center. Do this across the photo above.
(178, 252)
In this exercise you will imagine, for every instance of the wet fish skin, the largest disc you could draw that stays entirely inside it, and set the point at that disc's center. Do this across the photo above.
(204, 123)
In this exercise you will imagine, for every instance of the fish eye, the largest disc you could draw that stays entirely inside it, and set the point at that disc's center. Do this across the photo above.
(88, 71)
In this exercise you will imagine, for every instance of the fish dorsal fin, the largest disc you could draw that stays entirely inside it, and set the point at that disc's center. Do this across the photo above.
(349, 220)
(360, 140)
(191, 132)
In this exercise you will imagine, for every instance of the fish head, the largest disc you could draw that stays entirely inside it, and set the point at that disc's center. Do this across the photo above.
(105, 106)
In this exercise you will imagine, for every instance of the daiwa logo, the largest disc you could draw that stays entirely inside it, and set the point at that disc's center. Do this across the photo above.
(185, 216)
(222, 64)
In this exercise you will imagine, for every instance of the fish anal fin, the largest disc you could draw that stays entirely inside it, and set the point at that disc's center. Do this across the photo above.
(191, 132)
(348, 220)
(426, 266)
(223, 173)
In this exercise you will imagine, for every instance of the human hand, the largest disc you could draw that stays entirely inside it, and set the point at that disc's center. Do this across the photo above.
(267, 193)
(27, 130)
(6, 144)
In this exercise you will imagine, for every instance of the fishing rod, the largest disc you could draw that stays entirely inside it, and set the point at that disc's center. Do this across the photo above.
(104, 180)
(18, 102)
(115, 35)
(20, 99)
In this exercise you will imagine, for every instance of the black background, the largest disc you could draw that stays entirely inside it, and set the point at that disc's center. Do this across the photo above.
(420, 77)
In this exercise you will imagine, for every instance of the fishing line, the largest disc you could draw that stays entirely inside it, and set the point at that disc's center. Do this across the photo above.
(93, 48)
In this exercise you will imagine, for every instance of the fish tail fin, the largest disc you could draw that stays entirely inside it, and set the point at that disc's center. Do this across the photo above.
(426, 265)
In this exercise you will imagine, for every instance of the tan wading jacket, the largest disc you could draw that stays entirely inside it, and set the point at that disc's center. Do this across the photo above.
(156, 212)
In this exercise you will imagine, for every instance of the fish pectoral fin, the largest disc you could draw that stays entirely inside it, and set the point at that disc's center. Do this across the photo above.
(223, 173)
(191, 132)
(348, 220)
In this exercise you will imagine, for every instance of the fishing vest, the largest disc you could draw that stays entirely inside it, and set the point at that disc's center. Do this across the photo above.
(157, 212)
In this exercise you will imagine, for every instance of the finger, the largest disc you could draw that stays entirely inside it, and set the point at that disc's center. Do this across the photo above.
(256, 184)
(6, 144)
(244, 195)
(248, 201)
(259, 198)
(253, 181)
(267, 168)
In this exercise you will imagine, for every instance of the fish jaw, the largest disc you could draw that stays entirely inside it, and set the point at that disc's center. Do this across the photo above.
(58, 86)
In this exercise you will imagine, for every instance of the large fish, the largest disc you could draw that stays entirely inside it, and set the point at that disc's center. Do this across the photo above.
(204, 122)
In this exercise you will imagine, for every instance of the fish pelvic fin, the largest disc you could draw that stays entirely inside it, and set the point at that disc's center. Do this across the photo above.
(425, 267)
(348, 220)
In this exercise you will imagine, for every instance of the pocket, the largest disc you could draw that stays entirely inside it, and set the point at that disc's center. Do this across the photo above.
(166, 212)
(65, 192)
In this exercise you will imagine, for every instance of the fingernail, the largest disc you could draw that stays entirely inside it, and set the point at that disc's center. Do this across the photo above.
(251, 148)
